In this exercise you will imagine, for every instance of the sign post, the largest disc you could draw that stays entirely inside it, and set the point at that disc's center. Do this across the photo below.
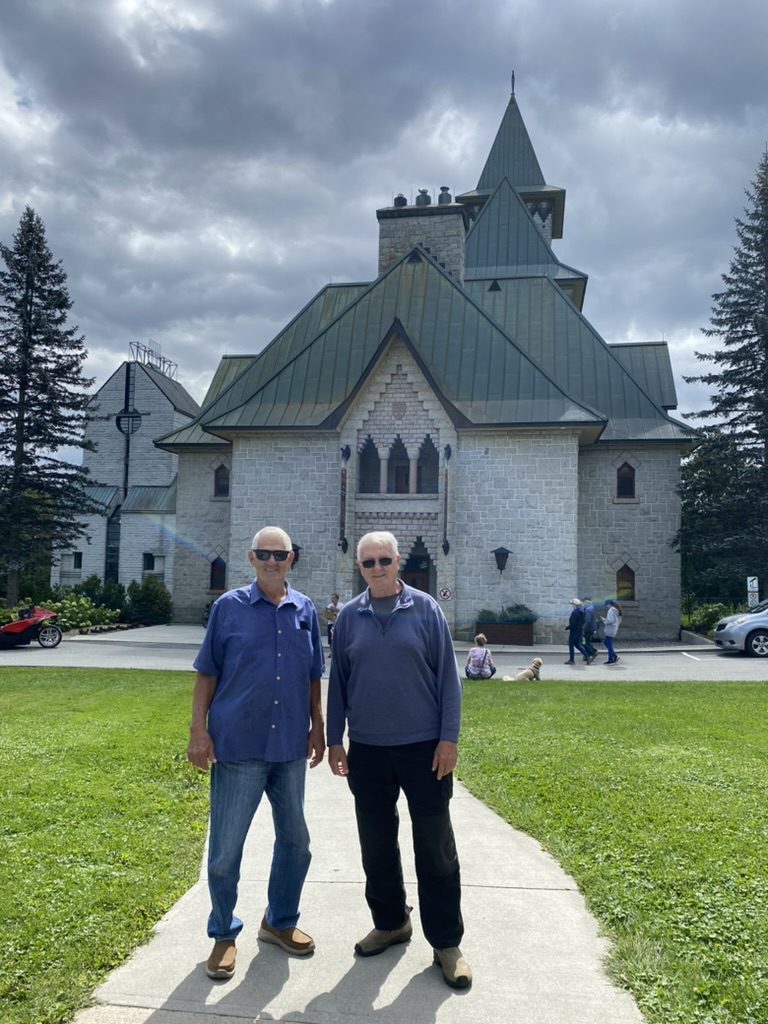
(753, 592)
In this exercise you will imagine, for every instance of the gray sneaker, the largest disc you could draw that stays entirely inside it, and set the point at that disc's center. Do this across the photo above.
(456, 971)
(376, 941)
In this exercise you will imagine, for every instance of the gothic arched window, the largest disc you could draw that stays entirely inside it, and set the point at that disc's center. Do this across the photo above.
(218, 576)
(399, 468)
(625, 584)
(221, 482)
(625, 481)
(429, 468)
(368, 468)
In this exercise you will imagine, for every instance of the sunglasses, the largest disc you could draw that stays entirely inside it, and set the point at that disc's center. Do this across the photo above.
(263, 555)
(368, 563)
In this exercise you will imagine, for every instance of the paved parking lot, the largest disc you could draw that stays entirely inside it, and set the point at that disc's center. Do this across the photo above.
(174, 647)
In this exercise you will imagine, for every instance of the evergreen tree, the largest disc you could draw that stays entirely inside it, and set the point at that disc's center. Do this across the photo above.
(43, 406)
(740, 321)
(719, 540)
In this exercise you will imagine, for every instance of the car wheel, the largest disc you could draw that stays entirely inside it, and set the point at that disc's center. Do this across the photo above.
(757, 644)
(49, 636)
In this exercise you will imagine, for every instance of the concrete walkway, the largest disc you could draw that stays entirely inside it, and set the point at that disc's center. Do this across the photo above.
(536, 952)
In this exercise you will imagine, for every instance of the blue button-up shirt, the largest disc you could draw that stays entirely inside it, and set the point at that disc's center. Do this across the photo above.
(263, 656)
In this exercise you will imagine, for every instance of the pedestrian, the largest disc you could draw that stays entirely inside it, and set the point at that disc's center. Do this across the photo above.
(590, 628)
(479, 660)
(256, 719)
(395, 685)
(575, 629)
(612, 621)
(330, 615)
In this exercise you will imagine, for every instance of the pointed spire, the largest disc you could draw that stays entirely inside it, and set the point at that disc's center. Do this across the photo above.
(512, 156)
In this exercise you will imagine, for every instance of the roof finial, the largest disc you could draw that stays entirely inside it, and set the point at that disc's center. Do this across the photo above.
(513, 83)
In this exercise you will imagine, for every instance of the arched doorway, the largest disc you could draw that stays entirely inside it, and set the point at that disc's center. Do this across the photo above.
(417, 570)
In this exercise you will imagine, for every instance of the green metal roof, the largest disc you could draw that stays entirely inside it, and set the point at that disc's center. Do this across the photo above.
(482, 377)
(512, 156)
(102, 494)
(176, 394)
(242, 374)
(161, 500)
(557, 337)
(505, 241)
(650, 365)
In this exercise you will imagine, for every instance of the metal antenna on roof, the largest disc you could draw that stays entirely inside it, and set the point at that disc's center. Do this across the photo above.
(513, 83)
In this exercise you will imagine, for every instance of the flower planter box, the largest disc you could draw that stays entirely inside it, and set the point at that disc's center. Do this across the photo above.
(518, 634)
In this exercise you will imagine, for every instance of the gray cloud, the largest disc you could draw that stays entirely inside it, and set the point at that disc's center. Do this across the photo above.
(203, 168)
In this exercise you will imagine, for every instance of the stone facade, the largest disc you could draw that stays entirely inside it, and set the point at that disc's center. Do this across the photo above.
(127, 459)
(443, 229)
(636, 532)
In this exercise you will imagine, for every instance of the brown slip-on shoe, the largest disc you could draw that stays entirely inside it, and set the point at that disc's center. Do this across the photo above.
(292, 940)
(221, 962)
(377, 940)
(456, 970)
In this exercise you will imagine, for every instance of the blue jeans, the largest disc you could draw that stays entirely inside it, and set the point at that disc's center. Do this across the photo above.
(236, 791)
(609, 647)
(575, 644)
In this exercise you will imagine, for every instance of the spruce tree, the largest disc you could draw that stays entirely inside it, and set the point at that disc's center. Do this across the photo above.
(735, 508)
(43, 406)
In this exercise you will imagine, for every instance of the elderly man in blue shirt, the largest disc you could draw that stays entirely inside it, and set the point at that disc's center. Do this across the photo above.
(256, 720)
(395, 685)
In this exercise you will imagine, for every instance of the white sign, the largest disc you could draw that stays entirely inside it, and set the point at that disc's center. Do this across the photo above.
(752, 583)
(752, 599)
(446, 593)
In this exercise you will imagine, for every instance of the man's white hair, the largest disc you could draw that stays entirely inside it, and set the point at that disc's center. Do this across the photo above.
(383, 537)
(275, 531)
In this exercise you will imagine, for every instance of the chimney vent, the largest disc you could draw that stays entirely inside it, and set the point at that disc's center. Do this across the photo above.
(423, 198)
(445, 196)
(400, 200)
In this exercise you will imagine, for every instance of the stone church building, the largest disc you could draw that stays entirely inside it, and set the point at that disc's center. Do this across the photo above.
(460, 400)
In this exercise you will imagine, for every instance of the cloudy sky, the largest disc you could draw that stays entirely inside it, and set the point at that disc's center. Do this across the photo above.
(204, 167)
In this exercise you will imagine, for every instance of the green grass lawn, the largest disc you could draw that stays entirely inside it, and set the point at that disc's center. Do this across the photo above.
(654, 797)
(102, 826)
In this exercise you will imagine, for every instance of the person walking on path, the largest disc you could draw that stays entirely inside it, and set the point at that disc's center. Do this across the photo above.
(479, 660)
(395, 685)
(590, 628)
(256, 719)
(575, 629)
(612, 620)
(330, 614)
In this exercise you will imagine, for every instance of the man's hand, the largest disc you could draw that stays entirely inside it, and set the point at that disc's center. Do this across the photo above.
(337, 758)
(316, 744)
(445, 757)
(200, 750)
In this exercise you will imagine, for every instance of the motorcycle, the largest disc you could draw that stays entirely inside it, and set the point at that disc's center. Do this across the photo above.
(32, 624)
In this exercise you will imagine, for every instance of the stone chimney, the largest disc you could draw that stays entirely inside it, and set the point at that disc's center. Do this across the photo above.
(442, 229)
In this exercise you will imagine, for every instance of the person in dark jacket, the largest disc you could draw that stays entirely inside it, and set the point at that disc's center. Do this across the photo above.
(590, 628)
(575, 629)
(395, 686)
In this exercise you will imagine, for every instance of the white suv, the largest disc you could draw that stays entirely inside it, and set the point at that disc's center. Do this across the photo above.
(747, 631)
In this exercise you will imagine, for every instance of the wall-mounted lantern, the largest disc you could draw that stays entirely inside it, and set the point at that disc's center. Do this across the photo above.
(501, 555)
(296, 551)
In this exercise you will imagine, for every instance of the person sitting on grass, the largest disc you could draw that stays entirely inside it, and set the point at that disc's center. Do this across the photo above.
(479, 660)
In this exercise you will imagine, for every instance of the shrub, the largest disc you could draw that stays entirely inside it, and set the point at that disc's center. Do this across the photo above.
(148, 602)
(76, 611)
(510, 613)
(705, 617)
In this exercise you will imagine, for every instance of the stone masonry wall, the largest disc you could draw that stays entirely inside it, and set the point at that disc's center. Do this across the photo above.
(147, 464)
(520, 491)
(142, 532)
(637, 532)
(441, 229)
(202, 523)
